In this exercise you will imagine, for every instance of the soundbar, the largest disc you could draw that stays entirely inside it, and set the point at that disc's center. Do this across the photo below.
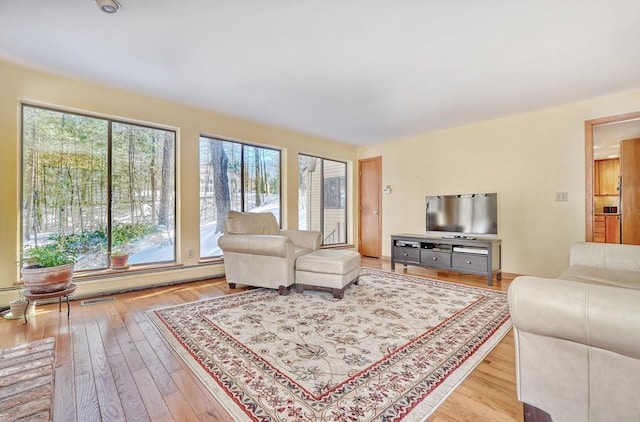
(407, 244)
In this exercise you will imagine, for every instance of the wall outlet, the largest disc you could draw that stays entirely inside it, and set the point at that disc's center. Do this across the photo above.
(190, 253)
(562, 196)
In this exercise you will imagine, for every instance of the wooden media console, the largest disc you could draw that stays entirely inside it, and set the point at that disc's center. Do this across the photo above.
(481, 256)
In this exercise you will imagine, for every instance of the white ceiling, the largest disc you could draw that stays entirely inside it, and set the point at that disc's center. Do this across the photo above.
(353, 71)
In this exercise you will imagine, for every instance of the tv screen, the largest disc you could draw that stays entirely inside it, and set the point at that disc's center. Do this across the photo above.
(473, 214)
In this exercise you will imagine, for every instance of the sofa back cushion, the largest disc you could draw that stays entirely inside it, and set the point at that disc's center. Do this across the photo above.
(251, 223)
(609, 256)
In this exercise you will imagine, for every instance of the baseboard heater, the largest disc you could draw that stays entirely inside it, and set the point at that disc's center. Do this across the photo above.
(97, 300)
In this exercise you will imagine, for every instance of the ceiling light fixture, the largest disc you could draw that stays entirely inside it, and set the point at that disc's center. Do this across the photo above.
(108, 6)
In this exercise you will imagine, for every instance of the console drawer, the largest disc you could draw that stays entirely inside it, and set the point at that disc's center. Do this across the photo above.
(435, 259)
(470, 262)
(406, 254)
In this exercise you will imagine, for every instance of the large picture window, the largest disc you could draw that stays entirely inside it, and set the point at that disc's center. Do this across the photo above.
(234, 176)
(95, 186)
(322, 198)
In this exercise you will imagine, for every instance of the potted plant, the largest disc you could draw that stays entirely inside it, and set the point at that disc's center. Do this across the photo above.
(48, 268)
(119, 258)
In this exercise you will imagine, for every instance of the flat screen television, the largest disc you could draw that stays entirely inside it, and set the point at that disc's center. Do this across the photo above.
(463, 215)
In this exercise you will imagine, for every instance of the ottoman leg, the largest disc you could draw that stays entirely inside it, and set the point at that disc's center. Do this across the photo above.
(283, 290)
(299, 288)
(338, 293)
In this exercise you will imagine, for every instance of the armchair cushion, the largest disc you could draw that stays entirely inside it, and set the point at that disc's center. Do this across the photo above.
(257, 245)
(251, 223)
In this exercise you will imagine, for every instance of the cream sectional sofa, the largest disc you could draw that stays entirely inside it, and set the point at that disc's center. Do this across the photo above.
(577, 337)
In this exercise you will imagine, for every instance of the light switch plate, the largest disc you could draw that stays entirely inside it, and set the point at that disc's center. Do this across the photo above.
(562, 196)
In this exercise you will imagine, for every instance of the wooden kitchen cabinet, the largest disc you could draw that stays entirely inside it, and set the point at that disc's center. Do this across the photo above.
(599, 229)
(606, 228)
(606, 177)
(612, 229)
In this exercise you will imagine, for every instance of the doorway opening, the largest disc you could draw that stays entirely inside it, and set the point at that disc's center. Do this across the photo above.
(622, 126)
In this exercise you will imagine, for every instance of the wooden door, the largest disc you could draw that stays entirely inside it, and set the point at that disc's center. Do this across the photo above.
(370, 216)
(630, 190)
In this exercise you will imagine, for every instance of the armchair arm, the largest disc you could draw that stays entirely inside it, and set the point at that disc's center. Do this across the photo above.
(309, 239)
(596, 315)
(257, 244)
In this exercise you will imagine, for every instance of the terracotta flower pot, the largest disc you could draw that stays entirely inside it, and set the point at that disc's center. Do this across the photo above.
(119, 262)
(47, 279)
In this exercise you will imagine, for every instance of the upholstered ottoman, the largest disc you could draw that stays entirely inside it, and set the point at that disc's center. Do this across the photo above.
(331, 270)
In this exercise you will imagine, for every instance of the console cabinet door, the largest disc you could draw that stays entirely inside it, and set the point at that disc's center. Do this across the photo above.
(435, 259)
(409, 255)
(468, 262)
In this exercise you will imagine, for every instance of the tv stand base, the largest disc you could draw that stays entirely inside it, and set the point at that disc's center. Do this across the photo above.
(480, 256)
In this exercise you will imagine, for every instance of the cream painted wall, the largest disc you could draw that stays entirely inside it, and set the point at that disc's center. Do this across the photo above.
(524, 158)
(22, 84)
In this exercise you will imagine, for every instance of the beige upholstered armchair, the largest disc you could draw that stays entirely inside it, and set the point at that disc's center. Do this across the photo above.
(258, 253)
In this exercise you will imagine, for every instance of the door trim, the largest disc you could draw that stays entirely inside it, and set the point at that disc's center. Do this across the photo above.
(588, 157)
(379, 205)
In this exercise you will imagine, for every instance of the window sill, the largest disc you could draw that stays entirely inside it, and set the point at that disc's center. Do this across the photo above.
(136, 269)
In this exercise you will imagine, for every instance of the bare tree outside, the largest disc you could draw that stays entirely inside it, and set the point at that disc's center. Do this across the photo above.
(219, 165)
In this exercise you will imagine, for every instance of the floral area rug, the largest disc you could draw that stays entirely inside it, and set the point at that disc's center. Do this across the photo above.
(393, 348)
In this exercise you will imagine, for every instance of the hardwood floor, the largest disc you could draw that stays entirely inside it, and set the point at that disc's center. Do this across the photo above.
(112, 365)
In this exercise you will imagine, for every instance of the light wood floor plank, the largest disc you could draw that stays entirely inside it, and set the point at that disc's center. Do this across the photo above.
(127, 390)
(159, 374)
(86, 400)
(180, 408)
(107, 392)
(168, 358)
(129, 350)
(151, 396)
(64, 408)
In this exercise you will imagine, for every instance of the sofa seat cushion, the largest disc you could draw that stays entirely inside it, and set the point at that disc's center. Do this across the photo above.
(594, 275)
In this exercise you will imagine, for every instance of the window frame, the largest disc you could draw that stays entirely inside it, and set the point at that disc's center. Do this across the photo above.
(323, 193)
(242, 172)
(110, 120)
